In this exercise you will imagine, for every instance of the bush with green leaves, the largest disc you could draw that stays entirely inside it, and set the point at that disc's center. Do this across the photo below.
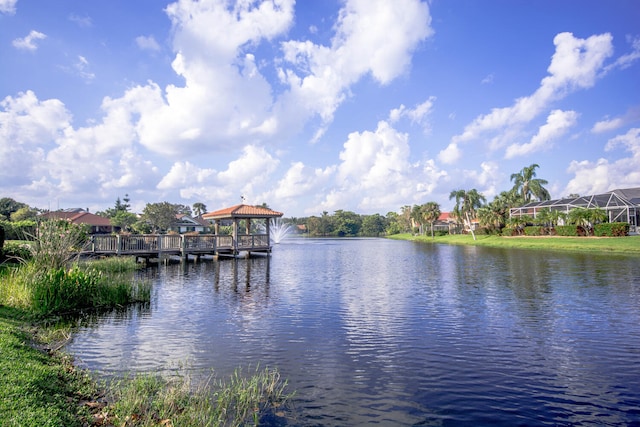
(17, 251)
(567, 230)
(612, 229)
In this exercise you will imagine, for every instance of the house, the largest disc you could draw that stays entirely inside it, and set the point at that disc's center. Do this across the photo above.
(97, 224)
(621, 205)
(186, 224)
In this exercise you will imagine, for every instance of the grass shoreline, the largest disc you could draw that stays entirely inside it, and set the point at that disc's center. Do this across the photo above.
(42, 387)
(629, 245)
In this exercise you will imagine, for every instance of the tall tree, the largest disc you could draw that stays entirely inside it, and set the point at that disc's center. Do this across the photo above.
(160, 216)
(9, 206)
(199, 208)
(430, 213)
(467, 203)
(528, 186)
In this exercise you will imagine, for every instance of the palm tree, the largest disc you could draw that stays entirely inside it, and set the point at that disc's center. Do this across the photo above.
(466, 204)
(199, 208)
(430, 213)
(526, 185)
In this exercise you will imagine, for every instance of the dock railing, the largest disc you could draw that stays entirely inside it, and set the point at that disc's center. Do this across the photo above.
(150, 244)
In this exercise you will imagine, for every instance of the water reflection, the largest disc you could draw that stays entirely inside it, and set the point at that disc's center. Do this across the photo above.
(376, 331)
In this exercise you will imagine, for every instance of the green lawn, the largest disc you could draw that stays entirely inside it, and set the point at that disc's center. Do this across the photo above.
(37, 389)
(623, 245)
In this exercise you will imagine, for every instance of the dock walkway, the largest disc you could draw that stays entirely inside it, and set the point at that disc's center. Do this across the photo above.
(159, 245)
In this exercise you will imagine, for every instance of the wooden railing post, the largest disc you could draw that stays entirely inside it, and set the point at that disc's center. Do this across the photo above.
(118, 243)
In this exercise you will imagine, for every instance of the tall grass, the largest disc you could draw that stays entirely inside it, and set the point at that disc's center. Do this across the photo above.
(60, 290)
(57, 243)
(150, 400)
(53, 281)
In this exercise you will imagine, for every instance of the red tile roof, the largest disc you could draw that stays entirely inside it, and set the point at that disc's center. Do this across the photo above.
(79, 218)
(243, 211)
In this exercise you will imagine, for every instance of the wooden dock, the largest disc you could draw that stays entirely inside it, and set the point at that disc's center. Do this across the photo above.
(160, 246)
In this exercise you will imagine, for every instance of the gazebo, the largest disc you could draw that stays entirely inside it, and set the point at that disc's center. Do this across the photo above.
(242, 238)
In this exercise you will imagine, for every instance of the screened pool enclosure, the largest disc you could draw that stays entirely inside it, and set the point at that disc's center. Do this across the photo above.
(621, 206)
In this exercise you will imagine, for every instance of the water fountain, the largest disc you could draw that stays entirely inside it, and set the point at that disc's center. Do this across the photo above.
(278, 230)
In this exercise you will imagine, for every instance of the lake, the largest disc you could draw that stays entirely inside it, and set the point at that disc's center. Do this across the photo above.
(376, 331)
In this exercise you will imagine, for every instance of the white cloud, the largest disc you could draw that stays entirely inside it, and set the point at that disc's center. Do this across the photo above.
(450, 154)
(626, 60)
(28, 127)
(558, 123)
(372, 37)
(607, 125)
(604, 175)
(419, 114)
(29, 42)
(375, 172)
(574, 65)
(8, 7)
(147, 43)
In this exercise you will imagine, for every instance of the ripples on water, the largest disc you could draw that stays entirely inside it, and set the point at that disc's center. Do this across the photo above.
(372, 331)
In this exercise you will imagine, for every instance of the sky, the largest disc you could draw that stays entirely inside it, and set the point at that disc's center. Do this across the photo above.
(315, 105)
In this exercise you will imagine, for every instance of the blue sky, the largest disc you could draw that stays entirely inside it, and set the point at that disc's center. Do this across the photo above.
(364, 105)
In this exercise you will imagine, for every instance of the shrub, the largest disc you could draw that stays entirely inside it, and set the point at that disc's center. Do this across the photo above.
(534, 230)
(18, 230)
(17, 251)
(612, 229)
(567, 230)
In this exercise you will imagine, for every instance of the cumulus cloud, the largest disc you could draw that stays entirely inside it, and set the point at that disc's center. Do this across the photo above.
(604, 175)
(375, 172)
(29, 42)
(575, 65)
(41, 153)
(372, 37)
(8, 7)
(558, 123)
(28, 127)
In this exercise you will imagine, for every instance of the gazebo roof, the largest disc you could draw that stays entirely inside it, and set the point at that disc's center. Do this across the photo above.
(242, 211)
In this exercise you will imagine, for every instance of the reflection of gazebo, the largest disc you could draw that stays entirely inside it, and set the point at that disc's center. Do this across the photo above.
(257, 242)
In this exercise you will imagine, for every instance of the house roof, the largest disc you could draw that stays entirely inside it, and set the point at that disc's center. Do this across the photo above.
(613, 198)
(79, 218)
(242, 211)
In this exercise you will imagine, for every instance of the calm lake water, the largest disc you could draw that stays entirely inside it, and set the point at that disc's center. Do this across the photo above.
(375, 331)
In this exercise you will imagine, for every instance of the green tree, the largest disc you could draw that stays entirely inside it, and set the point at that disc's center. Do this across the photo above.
(124, 220)
(587, 218)
(24, 213)
(405, 217)
(528, 186)
(373, 225)
(394, 225)
(430, 214)
(490, 217)
(346, 223)
(119, 206)
(9, 206)
(467, 202)
(199, 208)
(160, 216)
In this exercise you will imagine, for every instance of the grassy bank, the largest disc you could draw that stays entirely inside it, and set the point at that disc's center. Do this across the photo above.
(623, 245)
(41, 387)
(38, 389)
